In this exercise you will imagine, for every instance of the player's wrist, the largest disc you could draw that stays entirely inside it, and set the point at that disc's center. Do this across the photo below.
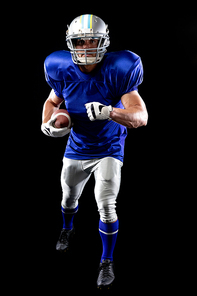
(107, 110)
(110, 110)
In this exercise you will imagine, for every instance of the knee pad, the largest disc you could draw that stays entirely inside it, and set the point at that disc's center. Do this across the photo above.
(107, 207)
(108, 215)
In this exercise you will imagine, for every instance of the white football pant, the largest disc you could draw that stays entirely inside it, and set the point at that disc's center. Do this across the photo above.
(107, 173)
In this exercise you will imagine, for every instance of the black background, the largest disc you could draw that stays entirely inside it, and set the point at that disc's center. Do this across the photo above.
(166, 40)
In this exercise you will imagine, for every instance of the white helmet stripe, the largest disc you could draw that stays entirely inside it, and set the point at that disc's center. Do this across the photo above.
(86, 21)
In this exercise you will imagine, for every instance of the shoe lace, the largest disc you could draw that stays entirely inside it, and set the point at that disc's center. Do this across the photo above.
(64, 236)
(105, 269)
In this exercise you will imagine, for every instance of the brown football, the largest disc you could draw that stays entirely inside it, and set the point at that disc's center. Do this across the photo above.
(62, 118)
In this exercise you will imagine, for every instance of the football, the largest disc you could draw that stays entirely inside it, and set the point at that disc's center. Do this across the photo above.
(62, 118)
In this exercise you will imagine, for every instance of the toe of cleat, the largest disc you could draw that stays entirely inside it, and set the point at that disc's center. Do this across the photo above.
(104, 287)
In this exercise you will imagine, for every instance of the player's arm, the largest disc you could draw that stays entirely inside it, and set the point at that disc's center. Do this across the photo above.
(50, 106)
(134, 115)
(52, 103)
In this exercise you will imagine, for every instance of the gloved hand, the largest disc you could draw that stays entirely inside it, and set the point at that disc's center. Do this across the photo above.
(49, 130)
(97, 111)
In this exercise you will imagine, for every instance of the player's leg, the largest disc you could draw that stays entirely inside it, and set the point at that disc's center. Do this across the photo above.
(108, 177)
(73, 180)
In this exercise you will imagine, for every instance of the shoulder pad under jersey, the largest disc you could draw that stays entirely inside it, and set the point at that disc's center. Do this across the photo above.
(56, 64)
(122, 60)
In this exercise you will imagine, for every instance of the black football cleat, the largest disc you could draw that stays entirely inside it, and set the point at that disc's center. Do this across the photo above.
(64, 240)
(106, 275)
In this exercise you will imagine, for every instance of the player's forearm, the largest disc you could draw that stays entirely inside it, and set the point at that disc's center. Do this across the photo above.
(132, 117)
(48, 109)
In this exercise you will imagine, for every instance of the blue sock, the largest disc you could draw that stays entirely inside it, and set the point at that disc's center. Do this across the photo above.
(68, 216)
(108, 233)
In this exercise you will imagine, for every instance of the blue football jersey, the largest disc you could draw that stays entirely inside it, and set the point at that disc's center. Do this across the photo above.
(117, 74)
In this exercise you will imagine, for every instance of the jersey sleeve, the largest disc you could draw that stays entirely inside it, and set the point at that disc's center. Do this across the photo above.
(52, 73)
(133, 78)
(55, 85)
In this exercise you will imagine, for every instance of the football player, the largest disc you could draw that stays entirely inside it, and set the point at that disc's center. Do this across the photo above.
(100, 91)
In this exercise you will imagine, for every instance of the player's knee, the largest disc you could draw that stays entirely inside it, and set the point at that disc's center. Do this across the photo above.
(68, 203)
(106, 192)
(108, 214)
(107, 209)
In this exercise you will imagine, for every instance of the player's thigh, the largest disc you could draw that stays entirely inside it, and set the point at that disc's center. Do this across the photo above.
(73, 180)
(72, 173)
(108, 178)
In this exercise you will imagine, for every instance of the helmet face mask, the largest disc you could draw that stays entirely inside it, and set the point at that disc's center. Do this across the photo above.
(87, 27)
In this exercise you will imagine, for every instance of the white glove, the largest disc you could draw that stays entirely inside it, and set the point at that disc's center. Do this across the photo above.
(50, 130)
(97, 111)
